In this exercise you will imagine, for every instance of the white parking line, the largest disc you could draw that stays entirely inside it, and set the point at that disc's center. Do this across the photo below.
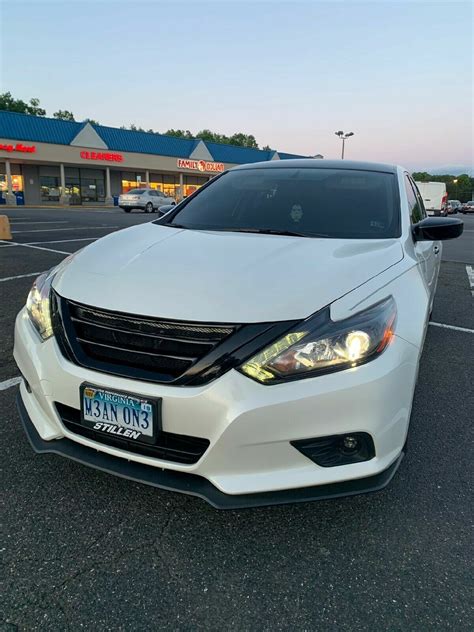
(62, 241)
(20, 276)
(470, 276)
(9, 383)
(35, 223)
(55, 230)
(61, 252)
(464, 329)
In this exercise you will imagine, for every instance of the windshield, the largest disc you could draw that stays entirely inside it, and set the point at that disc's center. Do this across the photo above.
(137, 191)
(307, 202)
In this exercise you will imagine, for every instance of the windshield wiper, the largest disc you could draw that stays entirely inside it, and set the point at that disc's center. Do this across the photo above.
(258, 231)
(274, 231)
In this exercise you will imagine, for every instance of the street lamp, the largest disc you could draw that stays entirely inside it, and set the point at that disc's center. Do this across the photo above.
(455, 181)
(343, 137)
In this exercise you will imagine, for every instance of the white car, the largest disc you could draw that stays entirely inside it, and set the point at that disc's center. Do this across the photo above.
(148, 200)
(273, 359)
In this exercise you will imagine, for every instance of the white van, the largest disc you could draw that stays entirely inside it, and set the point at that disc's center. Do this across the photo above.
(435, 197)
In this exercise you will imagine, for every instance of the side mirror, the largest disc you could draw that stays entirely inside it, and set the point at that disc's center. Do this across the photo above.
(437, 229)
(165, 208)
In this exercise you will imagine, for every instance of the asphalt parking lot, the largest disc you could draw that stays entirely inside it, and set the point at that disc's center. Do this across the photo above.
(85, 550)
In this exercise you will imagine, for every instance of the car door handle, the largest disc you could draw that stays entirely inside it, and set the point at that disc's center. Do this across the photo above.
(436, 250)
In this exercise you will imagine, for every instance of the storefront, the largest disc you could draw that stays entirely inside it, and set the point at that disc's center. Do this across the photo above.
(51, 162)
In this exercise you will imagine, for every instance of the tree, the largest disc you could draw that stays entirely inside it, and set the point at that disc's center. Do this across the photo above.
(64, 115)
(9, 103)
(91, 121)
(243, 140)
(421, 176)
(179, 133)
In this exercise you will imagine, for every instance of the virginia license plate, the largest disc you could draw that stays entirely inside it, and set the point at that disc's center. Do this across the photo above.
(120, 414)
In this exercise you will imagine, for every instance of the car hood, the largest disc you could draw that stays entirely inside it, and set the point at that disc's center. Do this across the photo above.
(220, 277)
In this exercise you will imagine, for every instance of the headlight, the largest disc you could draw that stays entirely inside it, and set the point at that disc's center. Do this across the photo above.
(319, 345)
(37, 304)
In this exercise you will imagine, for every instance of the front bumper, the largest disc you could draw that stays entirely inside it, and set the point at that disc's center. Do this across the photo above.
(250, 460)
(197, 485)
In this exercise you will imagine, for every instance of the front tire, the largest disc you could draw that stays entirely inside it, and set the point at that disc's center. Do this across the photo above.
(127, 210)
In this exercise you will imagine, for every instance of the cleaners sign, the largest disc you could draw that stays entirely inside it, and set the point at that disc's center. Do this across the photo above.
(201, 165)
(100, 155)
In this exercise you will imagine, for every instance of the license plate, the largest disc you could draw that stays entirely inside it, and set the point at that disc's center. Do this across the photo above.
(121, 415)
(430, 212)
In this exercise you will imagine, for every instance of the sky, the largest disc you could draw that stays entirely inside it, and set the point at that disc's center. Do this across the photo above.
(397, 74)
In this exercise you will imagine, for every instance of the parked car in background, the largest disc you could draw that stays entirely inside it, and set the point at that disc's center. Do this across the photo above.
(435, 197)
(454, 206)
(164, 353)
(148, 200)
(468, 207)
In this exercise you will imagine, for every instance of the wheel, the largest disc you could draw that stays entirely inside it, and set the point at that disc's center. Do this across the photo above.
(127, 210)
(149, 207)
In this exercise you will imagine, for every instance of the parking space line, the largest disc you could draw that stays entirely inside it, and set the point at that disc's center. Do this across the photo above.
(9, 383)
(55, 230)
(62, 241)
(35, 223)
(20, 276)
(61, 252)
(464, 329)
(470, 276)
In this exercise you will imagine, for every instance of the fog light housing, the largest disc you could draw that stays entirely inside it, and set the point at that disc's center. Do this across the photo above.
(335, 450)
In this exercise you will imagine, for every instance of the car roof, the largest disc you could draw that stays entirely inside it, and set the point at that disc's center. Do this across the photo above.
(313, 163)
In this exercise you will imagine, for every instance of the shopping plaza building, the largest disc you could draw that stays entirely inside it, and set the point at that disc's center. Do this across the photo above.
(47, 161)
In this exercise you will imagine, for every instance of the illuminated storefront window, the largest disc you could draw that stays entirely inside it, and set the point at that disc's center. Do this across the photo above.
(17, 182)
(50, 189)
(193, 183)
(169, 184)
(132, 180)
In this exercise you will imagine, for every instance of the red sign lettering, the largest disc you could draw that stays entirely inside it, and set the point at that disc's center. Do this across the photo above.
(24, 149)
(99, 155)
(201, 165)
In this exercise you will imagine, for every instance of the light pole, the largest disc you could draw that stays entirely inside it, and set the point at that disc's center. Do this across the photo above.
(343, 137)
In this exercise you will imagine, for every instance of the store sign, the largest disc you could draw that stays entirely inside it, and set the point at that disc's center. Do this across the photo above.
(24, 149)
(201, 165)
(99, 155)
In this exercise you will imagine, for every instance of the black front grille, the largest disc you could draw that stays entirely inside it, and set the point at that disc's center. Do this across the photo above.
(133, 346)
(169, 446)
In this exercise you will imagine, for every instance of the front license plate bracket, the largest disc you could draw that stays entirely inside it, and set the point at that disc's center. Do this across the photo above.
(120, 414)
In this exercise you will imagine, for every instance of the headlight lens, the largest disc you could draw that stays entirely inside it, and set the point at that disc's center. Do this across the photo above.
(37, 304)
(319, 345)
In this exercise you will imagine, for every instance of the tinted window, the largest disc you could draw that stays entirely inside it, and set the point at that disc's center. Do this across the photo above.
(137, 191)
(312, 202)
(416, 211)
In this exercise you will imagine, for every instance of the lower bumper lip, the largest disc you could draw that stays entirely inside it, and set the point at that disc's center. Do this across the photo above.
(193, 484)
